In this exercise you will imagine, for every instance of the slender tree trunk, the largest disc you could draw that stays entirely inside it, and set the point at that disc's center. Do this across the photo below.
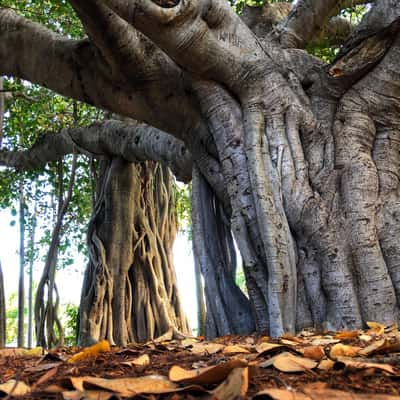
(201, 305)
(1, 110)
(21, 279)
(2, 310)
(49, 331)
(30, 287)
(129, 291)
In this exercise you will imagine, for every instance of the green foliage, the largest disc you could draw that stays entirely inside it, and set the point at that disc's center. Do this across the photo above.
(56, 15)
(70, 322)
(240, 279)
(12, 319)
(31, 111)
(183, 205)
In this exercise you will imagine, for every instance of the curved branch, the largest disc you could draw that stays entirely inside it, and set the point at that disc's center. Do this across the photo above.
(308, 19)
(124, 48)
(365, 48)
(76, 69)
(262, 20)
(131, 141)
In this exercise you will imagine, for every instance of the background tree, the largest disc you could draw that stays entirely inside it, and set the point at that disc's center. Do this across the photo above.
(299, 155)
(2, 310)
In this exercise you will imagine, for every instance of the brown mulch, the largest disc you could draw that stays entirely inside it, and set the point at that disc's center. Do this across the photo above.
(351, 370)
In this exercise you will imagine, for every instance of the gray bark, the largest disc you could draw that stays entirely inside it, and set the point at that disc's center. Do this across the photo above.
(301, 156)
(2, 310)
(21, 277)
(48, 328)
(32, 248)
(129, 291)
(131, 141)
(228, 310)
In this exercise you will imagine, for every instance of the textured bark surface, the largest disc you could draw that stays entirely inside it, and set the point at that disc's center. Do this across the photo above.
(129, 291)
(297, 158)
(48, 327)
(2, 310)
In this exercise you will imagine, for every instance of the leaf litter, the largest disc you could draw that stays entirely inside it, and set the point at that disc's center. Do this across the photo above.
(356, 365)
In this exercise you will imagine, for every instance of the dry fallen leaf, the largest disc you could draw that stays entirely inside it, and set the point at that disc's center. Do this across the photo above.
(324, 341)
(326, 365)
(42, 367)
(313, 394)
(374, 347)
(213, 374)
(343, 335)
(154, 384)
(234, 349)
(18, 352)
(330, 394)
(234, 387)
(14, 388)
(92, 351)
(375, 328)
(266, 348)
(89, 395)
(365, 338)
(350, 363)
(141, 361)
(314, 352)
(206, 348)
(291, 363)
(45, 377)
(288, 342)
(383, 346)
(342, 350)
(188, 342)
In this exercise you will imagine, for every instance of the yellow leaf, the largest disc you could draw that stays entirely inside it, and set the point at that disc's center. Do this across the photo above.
(213, 374)
(376, 328)
(342, 350)
(347, 335)
(90, 352)
(291, 363)
(14, 388)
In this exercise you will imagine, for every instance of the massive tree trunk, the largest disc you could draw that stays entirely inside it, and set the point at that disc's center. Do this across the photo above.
(129, 291)
(299, 159)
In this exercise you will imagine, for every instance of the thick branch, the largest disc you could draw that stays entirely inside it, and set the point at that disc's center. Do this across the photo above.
(365, 48)
(262, 20)
(308, 19)
(76, 69)
(133, 142)
(124, 48)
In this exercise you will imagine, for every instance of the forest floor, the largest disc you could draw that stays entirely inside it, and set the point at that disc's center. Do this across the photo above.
(325, 366)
